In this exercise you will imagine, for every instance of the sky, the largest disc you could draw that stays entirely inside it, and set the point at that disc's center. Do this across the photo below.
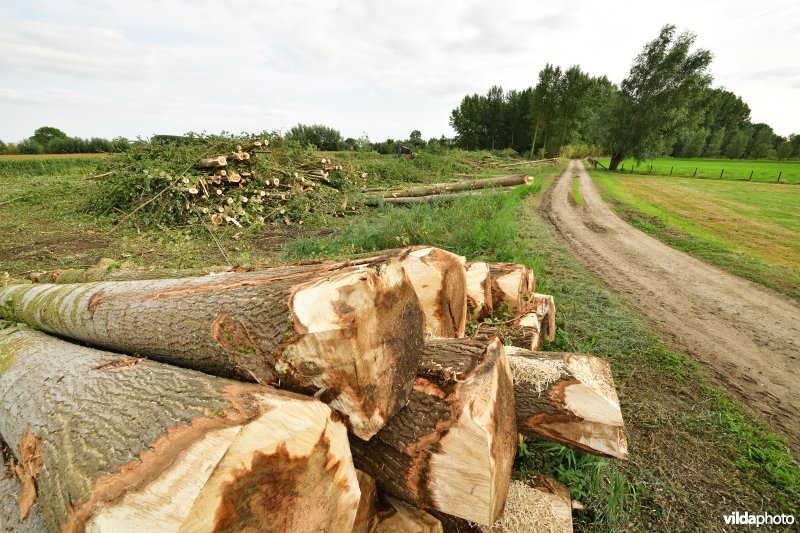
(142, 67)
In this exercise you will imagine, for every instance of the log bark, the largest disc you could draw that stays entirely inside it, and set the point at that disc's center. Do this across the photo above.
(213, 162)
(115, 443)
(440, 281)
(350, 335)
(442, 197)
(569, 398)
(551, 161)
(512, 285)
(83, 275)
(479, 291)
(452, 447)
(400, 517)
(467, 185)
(545, 309)
(367, 514)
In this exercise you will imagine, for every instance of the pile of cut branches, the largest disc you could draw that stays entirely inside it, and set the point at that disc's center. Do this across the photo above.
(224, 180)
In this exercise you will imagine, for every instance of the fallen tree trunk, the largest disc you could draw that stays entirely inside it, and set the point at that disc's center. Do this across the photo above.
(440, 281)
(83, 275)
(352, 335)
(442, 197)
(118, 443)
(452, 447)
(367, 514)
(467, 185)
(479, 291)
(400, 517)
(569, 398)
(213, 162)
(512, 285)
(551, 161)
(11, 518)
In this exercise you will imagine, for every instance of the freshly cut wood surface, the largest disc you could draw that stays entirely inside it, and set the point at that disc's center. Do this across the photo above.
(466, 185)
(440, 281)
(401, 517)
(537, 505)
(367, 514)
(113, 443)
(522, 332)
(351, 335)
(452, 447)
(569, 398)
(545, 309)
(512, 285)
(479, 290)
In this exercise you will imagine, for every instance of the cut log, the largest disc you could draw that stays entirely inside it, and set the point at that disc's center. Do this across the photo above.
(512, 285)
(479, 291)
(522, 332)
(213, 162)
(440, 281)
(443, 197)
(11, 519)
(535, 163)
(467, 185)
(82, 275)
(352, 336)
(113, 443)
(545, 308)
(367, 514)
(401, 517)
(569, 398)
(452, 447)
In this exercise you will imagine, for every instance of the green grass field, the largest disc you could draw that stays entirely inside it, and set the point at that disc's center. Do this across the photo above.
(672, 410)
(734, 169)
(750, 229)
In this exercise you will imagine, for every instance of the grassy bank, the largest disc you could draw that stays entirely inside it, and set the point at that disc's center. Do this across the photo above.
(695, 454)
(748, 229)
(718, 169)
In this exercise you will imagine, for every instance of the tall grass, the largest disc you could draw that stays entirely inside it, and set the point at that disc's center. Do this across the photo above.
(47, 166)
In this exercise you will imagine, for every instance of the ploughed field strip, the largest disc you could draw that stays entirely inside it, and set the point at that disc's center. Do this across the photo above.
(748, 335)
(332, 395)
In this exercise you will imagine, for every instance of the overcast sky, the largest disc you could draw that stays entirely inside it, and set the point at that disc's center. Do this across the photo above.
(135, 68)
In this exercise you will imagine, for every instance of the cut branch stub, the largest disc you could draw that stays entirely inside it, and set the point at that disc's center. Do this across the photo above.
(569, 398)
(350, 335)
(440, 281)
(479, 290)
(512, 285)
(124, 444)
(213, 162)
(452, 447)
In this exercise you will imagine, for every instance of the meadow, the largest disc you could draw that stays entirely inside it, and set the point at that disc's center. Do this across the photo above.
(672, 409)
(750, 229)
(724, 169)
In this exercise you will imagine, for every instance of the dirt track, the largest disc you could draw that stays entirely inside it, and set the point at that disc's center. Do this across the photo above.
(747, 335)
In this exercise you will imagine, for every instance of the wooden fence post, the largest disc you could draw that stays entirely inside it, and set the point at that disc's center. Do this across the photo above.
(779, 176)
(721, 173)
(695, 172)
(751, 176)
(670, 170)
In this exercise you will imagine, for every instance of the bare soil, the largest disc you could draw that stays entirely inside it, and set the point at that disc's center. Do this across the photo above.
(746, 334)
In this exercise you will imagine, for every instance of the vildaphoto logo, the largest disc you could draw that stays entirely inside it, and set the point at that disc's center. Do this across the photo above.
(764, 519)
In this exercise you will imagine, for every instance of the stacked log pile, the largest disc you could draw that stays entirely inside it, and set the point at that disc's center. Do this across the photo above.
(336, 396)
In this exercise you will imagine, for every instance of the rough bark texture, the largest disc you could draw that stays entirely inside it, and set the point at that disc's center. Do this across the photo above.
(479, 291)
(467, 185)
(400, 517)
(452, 447)
(83, 275)
(115, 443)
(512, 285)
(444, 197)
(11, 519)
(367, 515)
(569, 398)
(440, 281)
(545, 309)
(351, 335)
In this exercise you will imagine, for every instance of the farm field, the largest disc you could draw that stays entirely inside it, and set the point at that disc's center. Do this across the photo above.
(735, 169)
(750, 229)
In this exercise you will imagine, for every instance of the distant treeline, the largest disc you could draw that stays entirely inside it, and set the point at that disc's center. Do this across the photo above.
(568, 109)
(49, 140)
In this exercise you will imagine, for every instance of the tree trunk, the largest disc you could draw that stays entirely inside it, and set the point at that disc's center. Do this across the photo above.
(545, 309)
(99, 273)
(11, 519)
(616, 159)
(479, 291)
(467, 185)
(512, 285)
(444, 197)
(350, 335)
(367, 514)
(569, 398)
(535, 133)
(112, 443)
(400, 517)
(523, 332)
(440, 281)
(452, 447)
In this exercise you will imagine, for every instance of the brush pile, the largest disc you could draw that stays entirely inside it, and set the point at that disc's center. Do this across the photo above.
(322, 396)
(220, 181)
